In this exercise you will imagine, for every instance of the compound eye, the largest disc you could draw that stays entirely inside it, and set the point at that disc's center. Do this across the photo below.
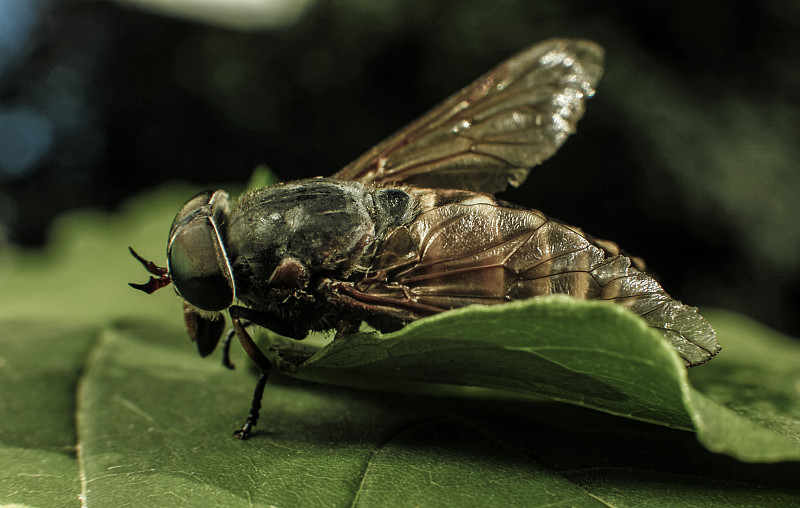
(198, 265)
(198, 204)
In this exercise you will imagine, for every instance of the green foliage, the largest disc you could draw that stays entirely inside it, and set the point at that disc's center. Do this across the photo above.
(104, 397)
(262, 177)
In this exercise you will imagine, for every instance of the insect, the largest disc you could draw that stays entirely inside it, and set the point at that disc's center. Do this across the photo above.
(411, 228)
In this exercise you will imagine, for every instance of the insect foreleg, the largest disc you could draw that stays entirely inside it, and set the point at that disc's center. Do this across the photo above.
(255, 407)
(226, 346)
(247, 341)
(263, 363)
(293, 329)
(251, 316)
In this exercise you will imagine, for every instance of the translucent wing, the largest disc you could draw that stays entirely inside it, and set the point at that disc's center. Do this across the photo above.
(457, 255)
(492, 132)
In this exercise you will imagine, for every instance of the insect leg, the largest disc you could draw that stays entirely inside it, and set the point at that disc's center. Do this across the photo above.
(255, 407)
(251, 316)
(263, 363)
(346, 295)
(247, 341)
(293, 330)
(226, 346)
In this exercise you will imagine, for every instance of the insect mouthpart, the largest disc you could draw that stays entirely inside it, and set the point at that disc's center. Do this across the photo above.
(153, 284)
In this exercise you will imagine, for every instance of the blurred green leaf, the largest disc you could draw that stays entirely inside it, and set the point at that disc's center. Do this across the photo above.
(154, 420)
(262, 177)
(232, 14)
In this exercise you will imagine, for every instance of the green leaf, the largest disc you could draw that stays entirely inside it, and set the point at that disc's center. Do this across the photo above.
(82, 275)
(154, 420)
(262, 177)
(40, 363)
(748, 404)
(590, 354)
(322, 445)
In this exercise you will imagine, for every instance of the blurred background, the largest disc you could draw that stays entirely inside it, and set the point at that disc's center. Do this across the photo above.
(688, 155)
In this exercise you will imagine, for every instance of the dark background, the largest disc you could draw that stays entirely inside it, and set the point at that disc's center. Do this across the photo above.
(688, 154)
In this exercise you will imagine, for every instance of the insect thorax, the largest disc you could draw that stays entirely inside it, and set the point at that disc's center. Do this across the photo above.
(280, 238)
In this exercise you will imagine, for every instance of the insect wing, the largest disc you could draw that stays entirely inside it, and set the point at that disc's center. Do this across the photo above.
(489, 134)
(485, 253)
